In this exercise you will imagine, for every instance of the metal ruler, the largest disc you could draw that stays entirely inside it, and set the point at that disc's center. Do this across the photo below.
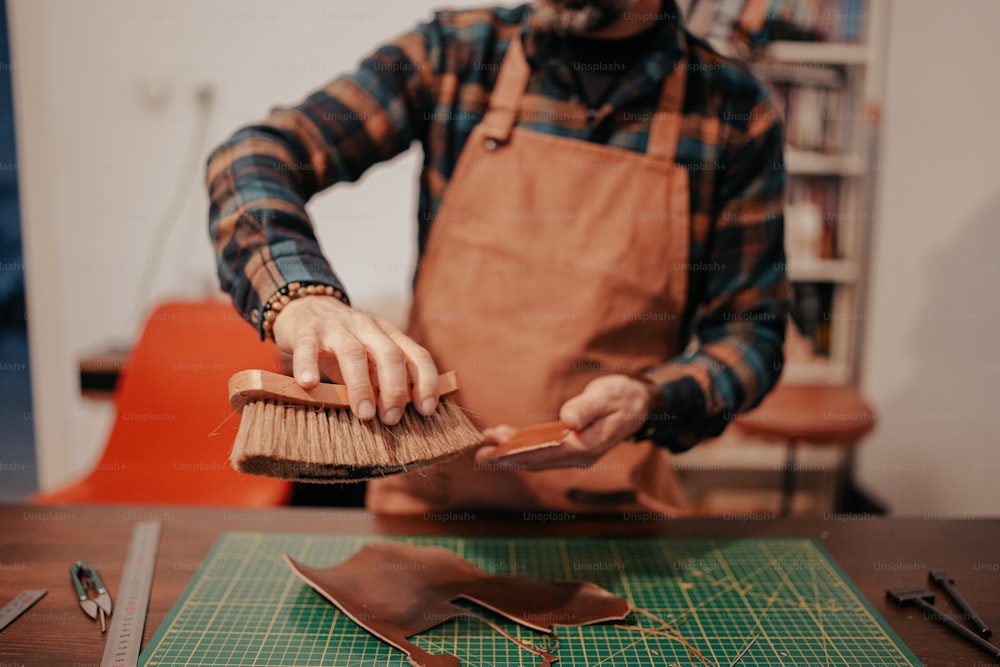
(129, 617)
(19, 605)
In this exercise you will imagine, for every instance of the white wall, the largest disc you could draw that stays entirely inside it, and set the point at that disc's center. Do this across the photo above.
(932, 361)
(101, 159)
(99, 164)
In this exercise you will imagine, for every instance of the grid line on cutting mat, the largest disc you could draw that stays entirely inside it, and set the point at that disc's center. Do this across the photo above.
(245, 606)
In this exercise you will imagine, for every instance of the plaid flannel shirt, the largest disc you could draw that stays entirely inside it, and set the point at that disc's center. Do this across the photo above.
(432, 86)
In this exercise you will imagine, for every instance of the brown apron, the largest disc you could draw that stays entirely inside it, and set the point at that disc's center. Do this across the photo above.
(552, 262)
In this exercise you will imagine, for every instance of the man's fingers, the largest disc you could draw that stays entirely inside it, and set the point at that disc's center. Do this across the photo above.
(603, 430)
(390, 369)
(537, 459)
(497, 435)
(421, 369)
(352, 357)
(492, 438)
(579, 411)
(305, 362)
(605, 396)
(376, 361)
(600, 417)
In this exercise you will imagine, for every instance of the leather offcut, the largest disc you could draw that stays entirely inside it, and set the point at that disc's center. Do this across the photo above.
(397, 590)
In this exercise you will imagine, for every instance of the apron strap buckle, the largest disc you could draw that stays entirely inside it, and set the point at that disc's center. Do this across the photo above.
(497, 127)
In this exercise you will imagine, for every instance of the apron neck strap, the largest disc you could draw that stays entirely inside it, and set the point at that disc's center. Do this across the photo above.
(665, 127)
(506, 97)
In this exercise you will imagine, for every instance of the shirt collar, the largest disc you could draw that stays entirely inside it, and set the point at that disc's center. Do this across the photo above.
(648, 74)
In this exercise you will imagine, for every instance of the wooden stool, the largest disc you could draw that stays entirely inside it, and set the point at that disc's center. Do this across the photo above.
(813, 414)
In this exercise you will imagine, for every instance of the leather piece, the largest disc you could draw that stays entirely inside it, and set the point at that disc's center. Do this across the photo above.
(397, 590)
(530, 438)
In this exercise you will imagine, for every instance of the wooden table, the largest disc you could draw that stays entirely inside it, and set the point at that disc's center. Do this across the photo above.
(38, 544)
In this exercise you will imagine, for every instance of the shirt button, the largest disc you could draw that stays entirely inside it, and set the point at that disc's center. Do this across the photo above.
(490, 144)
(255, 316)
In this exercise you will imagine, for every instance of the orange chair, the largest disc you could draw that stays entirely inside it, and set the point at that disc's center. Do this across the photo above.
(174, 428)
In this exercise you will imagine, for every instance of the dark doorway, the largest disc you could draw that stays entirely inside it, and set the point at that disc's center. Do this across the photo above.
(18, 474)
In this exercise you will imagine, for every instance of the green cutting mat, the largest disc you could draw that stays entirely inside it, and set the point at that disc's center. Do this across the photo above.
(246, 607)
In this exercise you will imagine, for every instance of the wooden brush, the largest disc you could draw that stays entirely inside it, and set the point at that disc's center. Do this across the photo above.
(312, 436)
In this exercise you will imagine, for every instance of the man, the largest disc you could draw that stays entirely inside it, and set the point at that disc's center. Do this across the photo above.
(600, 231)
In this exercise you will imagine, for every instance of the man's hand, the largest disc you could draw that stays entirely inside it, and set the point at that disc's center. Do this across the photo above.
(609, 410)
(366, 353)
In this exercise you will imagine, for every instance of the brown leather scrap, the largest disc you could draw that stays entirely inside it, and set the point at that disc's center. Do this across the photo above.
(396, 590)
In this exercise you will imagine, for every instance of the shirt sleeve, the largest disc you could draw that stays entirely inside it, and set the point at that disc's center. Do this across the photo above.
(261, 178)
(739, 322)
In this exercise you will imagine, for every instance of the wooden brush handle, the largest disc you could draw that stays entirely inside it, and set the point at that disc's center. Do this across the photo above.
(257, 385)
(536, 436)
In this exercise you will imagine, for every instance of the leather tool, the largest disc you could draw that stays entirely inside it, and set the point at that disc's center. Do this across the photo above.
(85, 579)
(942, 580)
(924, 599)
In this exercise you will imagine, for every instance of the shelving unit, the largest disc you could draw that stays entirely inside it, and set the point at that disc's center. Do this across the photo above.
(733, 473)
(829, 53)
(811, 163)
(848, 170)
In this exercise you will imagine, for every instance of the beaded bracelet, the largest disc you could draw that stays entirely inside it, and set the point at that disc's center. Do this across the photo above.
(283, 296)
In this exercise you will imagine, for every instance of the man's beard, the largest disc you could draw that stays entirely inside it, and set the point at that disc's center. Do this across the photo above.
(577, 17)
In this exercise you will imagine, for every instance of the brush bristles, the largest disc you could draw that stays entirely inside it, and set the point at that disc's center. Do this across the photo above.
(306, 444)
